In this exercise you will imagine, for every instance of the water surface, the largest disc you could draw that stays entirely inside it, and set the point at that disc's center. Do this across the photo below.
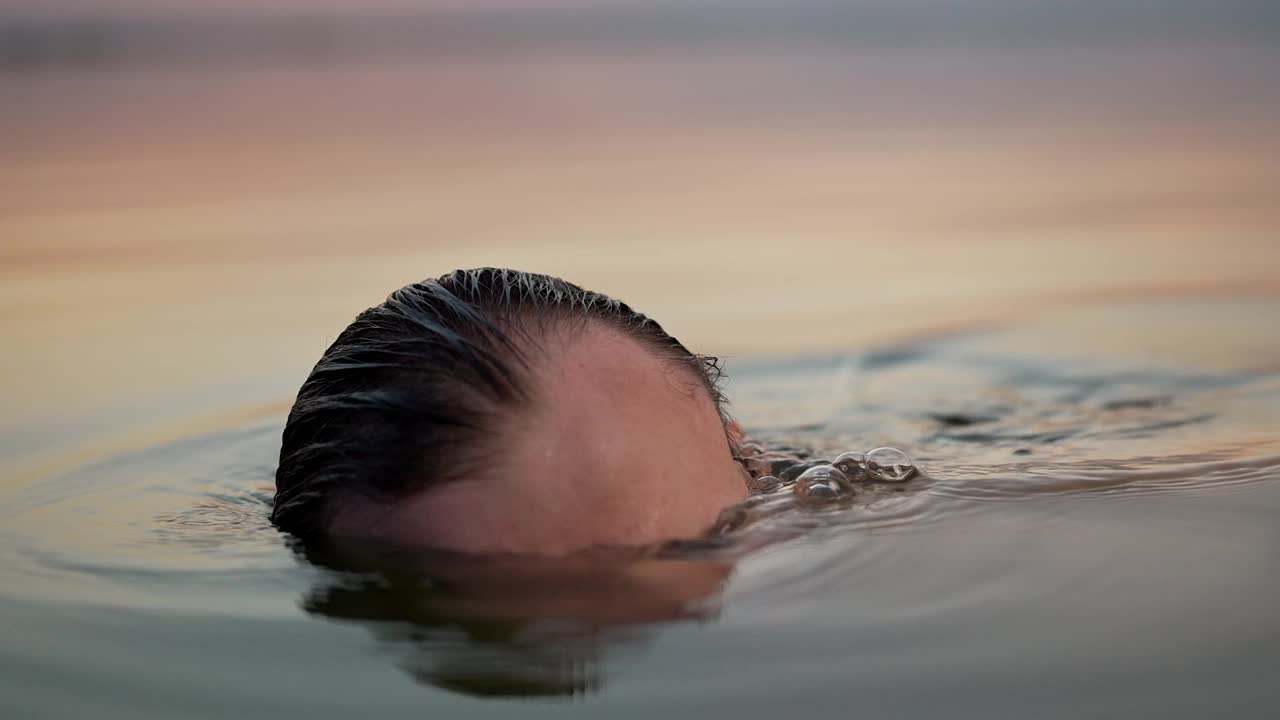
(1096, 534)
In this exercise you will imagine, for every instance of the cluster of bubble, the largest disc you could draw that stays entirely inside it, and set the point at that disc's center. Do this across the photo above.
(821, 480)
(780, 482)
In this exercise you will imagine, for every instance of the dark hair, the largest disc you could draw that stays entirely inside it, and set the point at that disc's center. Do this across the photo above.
(415, 390)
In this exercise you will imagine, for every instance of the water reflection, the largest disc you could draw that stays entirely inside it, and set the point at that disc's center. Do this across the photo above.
(509, 625)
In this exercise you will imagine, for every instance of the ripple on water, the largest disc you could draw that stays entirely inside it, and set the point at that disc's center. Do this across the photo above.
(185, 513)
(983, 427)
(985, 418)
(1045, 480)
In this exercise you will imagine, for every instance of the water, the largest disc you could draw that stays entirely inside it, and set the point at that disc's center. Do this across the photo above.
(1095, 534)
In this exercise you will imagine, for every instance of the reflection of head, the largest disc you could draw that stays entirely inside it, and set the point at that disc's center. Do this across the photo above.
(508, 625)
(495, 410)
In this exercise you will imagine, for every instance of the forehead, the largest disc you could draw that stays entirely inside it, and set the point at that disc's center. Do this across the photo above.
(621, 447)
(612, 406)
(587, 376)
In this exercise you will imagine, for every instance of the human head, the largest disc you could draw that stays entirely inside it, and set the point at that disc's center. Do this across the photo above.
(493, 410)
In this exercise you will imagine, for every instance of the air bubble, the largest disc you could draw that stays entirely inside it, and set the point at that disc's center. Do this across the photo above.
(818, 491)
(824, 472)
(764, 484)
(797, 469)
(853, 464)
(822, 482)
(888, 464)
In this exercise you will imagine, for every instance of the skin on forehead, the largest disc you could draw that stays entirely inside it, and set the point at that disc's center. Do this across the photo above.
(621, 447)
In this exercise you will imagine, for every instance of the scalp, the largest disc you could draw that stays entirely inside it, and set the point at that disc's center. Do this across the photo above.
(620, 446)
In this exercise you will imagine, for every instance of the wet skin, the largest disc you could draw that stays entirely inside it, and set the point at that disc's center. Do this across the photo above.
(620, 448)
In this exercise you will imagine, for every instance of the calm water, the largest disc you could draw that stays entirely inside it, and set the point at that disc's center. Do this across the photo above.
(1096, 536)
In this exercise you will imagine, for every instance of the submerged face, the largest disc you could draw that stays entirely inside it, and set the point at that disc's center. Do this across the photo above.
(621, 447)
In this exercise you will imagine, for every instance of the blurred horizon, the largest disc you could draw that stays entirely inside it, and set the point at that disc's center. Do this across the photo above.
(75, 32)
(195, 198)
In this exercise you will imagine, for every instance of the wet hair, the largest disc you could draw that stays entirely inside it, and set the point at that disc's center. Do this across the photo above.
(417, 390)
